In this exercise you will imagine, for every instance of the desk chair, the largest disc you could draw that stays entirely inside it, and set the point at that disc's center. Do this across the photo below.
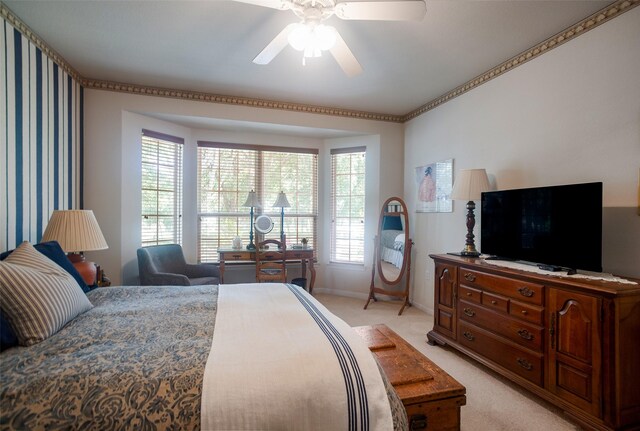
(271, 264)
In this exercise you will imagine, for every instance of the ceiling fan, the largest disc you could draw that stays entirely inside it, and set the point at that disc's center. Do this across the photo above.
(312, 37)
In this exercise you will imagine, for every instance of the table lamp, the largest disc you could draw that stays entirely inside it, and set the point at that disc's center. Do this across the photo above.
(282, 203)
(252, 201)
(77, 231)
(469, 186)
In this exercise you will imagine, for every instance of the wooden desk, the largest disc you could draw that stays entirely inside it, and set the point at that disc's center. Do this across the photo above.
(304, 255)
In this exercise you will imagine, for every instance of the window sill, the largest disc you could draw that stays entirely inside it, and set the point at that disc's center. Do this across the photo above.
(347, 266)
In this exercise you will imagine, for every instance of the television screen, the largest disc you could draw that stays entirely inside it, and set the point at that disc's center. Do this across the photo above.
(558, 225)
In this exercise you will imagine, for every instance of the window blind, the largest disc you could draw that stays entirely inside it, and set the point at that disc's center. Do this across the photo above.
(347, 204)
(161, 167)
(226, 175)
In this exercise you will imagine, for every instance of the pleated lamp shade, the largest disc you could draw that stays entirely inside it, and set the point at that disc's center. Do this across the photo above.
(75, 230)
(470, 184)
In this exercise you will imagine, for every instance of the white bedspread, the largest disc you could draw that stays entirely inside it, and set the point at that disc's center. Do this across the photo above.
(281, 361)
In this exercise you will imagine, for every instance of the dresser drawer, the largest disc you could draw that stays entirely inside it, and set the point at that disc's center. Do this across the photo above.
(518, 360)
(237, 255)
(520, 332)
(495, 302)
(521, 290)
(470, 294)
(530, 313)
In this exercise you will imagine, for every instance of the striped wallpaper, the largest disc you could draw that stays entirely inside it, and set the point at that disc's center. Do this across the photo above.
(40, 142)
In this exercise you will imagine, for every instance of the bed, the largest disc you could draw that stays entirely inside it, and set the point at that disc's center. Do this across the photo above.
(392, 246)
(140, 358)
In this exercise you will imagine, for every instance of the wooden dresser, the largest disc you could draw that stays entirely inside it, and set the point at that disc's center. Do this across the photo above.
(431, 397)
(574, 342)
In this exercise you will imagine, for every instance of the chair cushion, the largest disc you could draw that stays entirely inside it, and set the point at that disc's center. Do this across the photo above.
(37, 296)
(271, 271)
(167, 258)
(203, 280)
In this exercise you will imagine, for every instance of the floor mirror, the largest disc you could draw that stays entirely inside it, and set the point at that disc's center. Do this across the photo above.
(392, 253)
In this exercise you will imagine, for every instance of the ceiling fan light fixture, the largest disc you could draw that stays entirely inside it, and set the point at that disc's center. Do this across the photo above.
(312, 38)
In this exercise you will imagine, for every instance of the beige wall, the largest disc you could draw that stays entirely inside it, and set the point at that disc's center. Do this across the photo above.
(571, 115)
(113, 123)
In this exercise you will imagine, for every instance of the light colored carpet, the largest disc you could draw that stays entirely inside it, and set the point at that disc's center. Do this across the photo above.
(493, 403)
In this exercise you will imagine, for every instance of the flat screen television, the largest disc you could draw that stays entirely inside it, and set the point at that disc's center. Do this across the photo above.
(557, 226)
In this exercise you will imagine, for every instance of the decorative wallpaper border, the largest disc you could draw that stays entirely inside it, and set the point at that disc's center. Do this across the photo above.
(236, 100)
(611, 11)
(600, 17)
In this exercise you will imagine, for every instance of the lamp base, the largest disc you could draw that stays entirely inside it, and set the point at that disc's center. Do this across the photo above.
(251, 246)
(473, 253)
(87, 270)
(469, 249)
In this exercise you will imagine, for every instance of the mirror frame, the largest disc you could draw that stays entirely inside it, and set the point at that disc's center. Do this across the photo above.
(387, 209)
(266, 218)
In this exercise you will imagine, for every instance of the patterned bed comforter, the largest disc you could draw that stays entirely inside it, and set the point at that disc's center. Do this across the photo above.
(134, 361)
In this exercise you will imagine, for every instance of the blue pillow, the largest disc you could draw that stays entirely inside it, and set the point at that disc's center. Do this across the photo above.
(53, 251)
(391, 223)
(7, 336)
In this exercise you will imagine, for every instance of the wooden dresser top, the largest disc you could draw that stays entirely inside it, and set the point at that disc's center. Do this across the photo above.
(608, 288)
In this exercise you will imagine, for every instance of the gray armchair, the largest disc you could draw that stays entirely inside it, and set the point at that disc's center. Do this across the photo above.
(165, 265)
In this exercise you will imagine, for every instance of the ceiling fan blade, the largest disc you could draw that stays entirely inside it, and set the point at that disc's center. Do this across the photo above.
(410, 10)
(275, 46)
(274, 4)
(345, 57)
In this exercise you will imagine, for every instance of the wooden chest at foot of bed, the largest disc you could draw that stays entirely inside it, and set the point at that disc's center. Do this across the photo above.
(431, 397)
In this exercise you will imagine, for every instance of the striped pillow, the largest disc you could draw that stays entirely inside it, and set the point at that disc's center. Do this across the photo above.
(37, 296)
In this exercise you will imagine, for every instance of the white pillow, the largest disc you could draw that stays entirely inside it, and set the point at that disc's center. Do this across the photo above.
(37, 296)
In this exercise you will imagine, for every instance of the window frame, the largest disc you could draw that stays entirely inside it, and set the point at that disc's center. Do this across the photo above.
(178, 180)
(258, 184)
(333, 240)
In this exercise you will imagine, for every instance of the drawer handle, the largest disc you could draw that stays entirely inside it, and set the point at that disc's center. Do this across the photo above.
(469, 312)
(236, 256)
(494, 302)
(525, 334)
(470, 277)
(468, 335)
(525, 312)
(525, 364)
(418, 422)
(469, 294)
(525, 291)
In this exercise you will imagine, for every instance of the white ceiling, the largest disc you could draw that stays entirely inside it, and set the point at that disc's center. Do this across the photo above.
(209, 46)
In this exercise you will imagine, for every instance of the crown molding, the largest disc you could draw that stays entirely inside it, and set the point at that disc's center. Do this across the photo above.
(603, 15)
(609, 12)
(37, 41)
(236, 100)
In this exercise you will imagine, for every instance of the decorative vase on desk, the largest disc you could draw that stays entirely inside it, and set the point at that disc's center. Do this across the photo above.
(304, 242)
(237, 243)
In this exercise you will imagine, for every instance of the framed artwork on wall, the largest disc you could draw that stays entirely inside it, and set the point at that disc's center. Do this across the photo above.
(434, 183)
